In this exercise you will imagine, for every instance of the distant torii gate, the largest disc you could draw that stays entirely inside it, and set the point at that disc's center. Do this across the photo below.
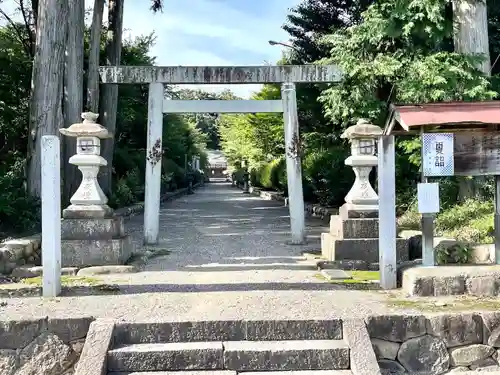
(157, 77)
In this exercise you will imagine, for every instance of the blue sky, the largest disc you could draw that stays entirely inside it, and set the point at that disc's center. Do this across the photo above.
(209, 32)
(212, 32)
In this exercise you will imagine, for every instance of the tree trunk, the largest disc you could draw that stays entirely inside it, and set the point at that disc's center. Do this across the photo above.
(73, 91)
(34, 8)
(95, 49)
(109, 101)
(471, 30)
(471, 38)
(48, 70)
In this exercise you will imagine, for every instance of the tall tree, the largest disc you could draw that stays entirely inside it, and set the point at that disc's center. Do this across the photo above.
(307, 23)
(48, 73)
(312, 19)
(109, 99)
(471, 38)
(92, 100)
(73, 90)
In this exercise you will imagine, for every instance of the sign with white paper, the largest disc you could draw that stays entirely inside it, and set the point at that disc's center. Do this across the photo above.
(428, 198)
(437, 154)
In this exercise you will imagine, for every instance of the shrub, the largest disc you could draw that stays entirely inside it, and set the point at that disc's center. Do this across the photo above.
(254, 177)
(18, 212)
(265, 175)
(326, 178)
(462, 214)
(176, 173)
(271, 175)
(134, 182)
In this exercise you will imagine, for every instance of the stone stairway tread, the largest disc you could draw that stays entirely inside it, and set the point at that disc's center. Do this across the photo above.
(229, 372)
(288, 355)
(201, 372)
(285, 355)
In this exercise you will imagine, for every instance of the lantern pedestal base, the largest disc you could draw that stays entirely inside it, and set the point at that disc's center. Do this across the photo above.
(94, 242)
(356, 239)
(349, 210)
(366, 249)
(87, 212)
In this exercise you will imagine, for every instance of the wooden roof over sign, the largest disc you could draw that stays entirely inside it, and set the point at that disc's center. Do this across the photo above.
(442, 117)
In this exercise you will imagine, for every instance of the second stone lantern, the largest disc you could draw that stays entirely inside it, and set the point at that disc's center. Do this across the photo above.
(353, 234)
(362, 200)
(91, 235)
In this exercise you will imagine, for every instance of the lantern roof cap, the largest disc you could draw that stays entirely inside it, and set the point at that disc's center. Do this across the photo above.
(362, 129)
(89, 127)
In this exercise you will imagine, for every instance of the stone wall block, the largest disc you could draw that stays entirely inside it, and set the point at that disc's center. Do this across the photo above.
(15, 334)
(458, 370)
(470, 354)
(47, 355)
(397, 328)
(424, 355)
(486, 365)
(70, 330)
(8, 362)
(482, 286)
(491, 328)
(390, 367)
(456, 330)
(385, 349)
(449, 286)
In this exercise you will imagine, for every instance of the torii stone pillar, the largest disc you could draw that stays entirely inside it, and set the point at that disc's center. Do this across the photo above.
(354, 232)
(91, 235)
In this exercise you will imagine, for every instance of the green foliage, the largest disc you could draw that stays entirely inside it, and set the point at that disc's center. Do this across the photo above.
(271, 175)
(18, 212)
(470, 221)
(461, 214)
(399, 53)
(467, 222)
(460, 253)
(205, 123)
(327, 178)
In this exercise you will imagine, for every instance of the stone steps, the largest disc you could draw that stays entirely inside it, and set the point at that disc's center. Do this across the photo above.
(229, 347)
(286, 355)
(226, 372)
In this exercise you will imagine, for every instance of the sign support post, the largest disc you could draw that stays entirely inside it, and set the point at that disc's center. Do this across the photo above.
(437, 161)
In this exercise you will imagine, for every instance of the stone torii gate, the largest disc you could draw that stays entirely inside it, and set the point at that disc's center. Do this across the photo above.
(157, 77)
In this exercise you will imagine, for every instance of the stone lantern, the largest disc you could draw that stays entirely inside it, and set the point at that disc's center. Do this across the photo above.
(362, 200)
(91, 234)
(89, 200)
(353, 234)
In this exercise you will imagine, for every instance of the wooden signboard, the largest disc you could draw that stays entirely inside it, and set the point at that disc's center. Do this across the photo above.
(477, 153)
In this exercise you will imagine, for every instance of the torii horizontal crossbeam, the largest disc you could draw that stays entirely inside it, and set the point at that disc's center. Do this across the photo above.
(222, 106)
(220, 74)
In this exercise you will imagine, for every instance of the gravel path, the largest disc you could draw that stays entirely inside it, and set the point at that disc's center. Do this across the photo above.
(228, 260)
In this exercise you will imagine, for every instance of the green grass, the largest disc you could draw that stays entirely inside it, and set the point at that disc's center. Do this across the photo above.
(358, 277)
(65, 281)
(466, 303)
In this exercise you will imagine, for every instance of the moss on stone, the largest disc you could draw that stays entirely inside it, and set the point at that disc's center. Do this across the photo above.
(65, 281)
